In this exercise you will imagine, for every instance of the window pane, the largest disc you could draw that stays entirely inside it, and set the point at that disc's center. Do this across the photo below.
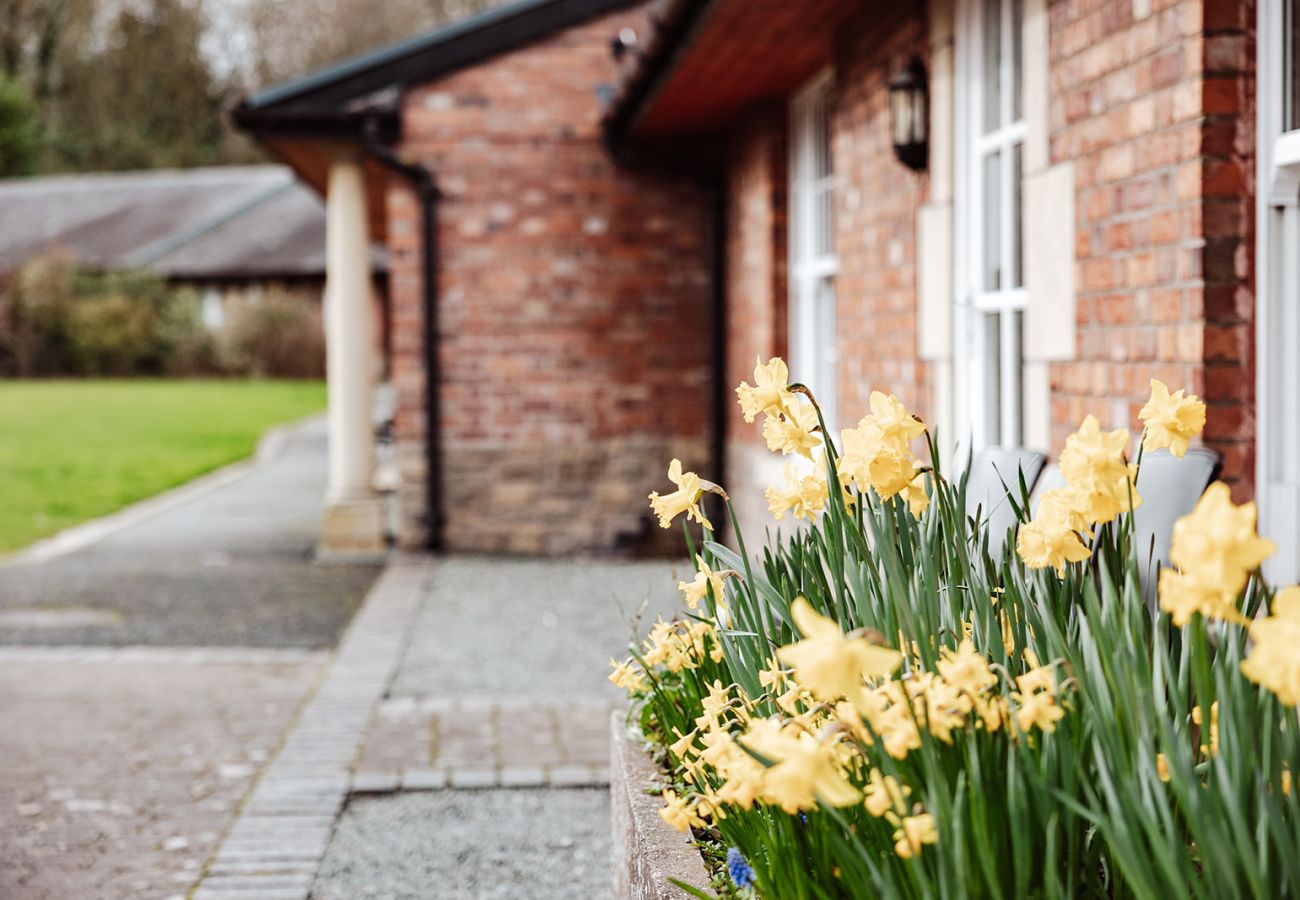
(1018, 356)
(1017, 60)
(1291, 70)
(823, 159)
(991, 191)
(1017, 218)
(992, 59)
(827, 348)
(823, 220)
(992, 365)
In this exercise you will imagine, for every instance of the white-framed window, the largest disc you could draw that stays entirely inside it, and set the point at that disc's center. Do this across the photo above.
(1277, 308)
(990, 288)
(814, 352)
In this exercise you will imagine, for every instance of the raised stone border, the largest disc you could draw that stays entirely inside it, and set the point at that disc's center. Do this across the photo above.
(647, 851)
(277, 842)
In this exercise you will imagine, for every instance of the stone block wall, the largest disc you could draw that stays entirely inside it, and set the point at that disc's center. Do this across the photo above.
(574, 310)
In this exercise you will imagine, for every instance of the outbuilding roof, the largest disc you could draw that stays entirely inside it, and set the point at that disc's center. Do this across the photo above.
(234, 222)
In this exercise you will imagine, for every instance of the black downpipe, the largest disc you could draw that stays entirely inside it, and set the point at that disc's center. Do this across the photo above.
(426, 189)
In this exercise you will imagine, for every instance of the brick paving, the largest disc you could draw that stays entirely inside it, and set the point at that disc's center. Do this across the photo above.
(275, 845)
(123, 766)
(486, 742)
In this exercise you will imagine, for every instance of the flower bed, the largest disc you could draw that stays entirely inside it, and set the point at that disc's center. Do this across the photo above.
(876, 705)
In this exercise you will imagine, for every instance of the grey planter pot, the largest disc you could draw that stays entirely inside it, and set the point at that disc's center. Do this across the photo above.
(647, 851)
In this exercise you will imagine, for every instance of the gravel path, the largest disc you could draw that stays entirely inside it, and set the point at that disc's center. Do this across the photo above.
(544, 628)
(519, 844)
(232, 567)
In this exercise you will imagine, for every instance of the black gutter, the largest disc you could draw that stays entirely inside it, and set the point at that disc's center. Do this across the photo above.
(426, 189)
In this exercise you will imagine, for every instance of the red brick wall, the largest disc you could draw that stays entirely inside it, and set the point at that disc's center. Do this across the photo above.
(574, 309)
(1156, 109)
(757, 184)
(875, 218)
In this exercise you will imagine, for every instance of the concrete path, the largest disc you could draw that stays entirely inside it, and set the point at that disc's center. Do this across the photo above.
(503, 687)
(148, 678)
(231, 567)
(457, 746)
(122, 768)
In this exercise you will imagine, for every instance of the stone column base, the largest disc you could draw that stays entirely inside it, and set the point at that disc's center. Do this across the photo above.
(354, 527)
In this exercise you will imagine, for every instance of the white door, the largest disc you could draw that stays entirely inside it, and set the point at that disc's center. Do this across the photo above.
(1277, 308)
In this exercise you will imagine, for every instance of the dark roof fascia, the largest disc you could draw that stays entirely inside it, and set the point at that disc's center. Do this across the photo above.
(271, 123)
(676, 27)
(427, 56)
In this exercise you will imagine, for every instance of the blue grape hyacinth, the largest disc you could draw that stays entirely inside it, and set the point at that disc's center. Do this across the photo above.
(739, 869)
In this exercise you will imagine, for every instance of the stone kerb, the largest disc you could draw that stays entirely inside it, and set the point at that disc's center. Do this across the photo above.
(647, 852)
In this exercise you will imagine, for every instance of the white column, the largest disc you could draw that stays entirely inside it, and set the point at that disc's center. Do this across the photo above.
(354, 519)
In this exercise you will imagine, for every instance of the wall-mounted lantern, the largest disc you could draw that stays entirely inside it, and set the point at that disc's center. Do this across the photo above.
(909, 115)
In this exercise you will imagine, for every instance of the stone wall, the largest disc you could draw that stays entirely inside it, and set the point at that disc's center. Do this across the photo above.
(574, 310)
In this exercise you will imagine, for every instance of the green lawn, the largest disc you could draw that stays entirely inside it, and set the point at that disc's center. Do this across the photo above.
(74, 450)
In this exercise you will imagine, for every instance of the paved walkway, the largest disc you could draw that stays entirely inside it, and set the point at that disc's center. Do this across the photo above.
(479, 768)
(232, 567)
(150, 676)
(122, 768)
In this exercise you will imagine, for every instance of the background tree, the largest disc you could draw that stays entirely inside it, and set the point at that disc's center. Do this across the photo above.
(20, 133)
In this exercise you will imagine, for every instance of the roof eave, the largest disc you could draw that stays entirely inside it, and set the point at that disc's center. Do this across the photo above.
(674, 28)
(426, 57)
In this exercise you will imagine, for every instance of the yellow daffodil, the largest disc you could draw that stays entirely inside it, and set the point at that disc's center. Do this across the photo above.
(803, 769)
(914, 832)
(915, 494)
(1182, 594)
(966, 669)
(945, 710)
(898, 730)
(1216, 548)
(896, 424)
(1096, 468)
(1037, 710)
(793, 431)
(682, 747)
(885, 794)
(1046, 542)
(1162, 767)
(697, 589)
(869, 459)
(770, 392)
(1171, 420)
(829, 665)
(678, 813)
(1274, 659)
(802, 494)
(686, 499)
(627, 675)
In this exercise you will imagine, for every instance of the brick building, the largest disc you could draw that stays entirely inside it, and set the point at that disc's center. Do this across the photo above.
(1108, 193)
